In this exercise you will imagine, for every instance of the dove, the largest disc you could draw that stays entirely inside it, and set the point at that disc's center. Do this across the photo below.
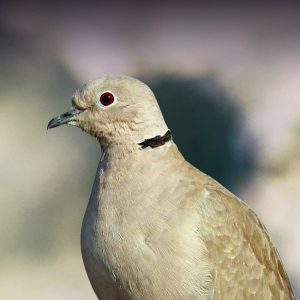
(156, 227)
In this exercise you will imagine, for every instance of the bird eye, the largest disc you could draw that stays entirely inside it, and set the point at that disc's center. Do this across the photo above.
(107, 98)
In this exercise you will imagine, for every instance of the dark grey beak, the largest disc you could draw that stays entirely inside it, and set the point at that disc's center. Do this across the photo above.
(64, 118)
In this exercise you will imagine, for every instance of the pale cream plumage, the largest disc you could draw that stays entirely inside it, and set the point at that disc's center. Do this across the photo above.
(155, 226)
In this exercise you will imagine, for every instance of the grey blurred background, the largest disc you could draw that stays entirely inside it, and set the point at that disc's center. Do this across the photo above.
(227, 79)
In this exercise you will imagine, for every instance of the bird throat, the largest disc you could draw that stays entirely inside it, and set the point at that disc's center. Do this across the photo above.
(156, 141)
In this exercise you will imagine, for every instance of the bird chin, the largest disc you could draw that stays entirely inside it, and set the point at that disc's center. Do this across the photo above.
(73, 123)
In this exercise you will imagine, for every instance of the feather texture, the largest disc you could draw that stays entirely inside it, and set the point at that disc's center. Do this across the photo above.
(156, 227)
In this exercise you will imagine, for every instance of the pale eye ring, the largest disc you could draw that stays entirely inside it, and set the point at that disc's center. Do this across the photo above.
(106, 99)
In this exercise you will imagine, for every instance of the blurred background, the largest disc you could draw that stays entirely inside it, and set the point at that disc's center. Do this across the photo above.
(227, 79)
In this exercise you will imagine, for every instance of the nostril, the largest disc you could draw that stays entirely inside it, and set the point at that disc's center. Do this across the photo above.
(67, 114)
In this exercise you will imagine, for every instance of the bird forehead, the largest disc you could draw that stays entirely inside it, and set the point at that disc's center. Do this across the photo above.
(127, 90)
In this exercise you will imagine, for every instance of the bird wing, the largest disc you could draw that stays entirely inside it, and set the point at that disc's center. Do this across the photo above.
(245, 262)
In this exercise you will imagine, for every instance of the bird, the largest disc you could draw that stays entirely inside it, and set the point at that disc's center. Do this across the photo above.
(156, 227)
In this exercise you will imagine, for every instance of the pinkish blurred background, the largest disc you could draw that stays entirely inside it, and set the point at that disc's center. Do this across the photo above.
(227, 76)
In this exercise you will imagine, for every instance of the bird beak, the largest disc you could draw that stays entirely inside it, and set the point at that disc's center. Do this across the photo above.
(66, 118)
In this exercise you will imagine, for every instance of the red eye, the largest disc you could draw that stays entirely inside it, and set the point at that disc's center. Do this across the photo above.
(107, 98)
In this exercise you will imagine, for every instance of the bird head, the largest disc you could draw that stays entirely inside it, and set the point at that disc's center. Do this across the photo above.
(115, 109)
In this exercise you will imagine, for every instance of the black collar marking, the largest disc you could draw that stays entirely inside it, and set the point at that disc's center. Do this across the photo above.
(156, 141)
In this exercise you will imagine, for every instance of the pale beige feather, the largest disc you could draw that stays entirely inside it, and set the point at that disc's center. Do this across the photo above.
(156, 227)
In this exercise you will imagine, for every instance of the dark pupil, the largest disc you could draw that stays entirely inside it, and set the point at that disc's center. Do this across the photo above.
(107, 98)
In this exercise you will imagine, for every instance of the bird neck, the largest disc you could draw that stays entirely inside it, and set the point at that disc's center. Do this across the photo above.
(126, 148)
(122, 157)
